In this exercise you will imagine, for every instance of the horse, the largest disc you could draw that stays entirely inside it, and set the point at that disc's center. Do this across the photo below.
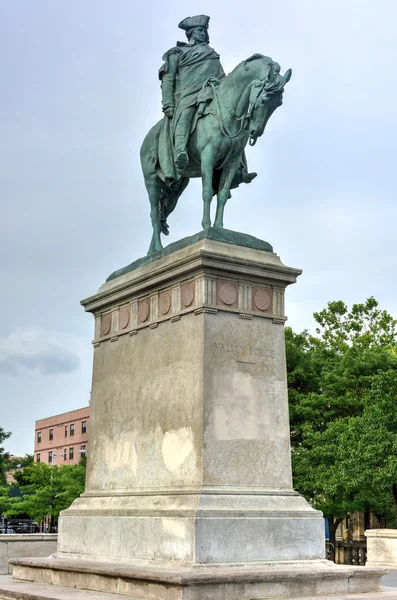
(240, 107)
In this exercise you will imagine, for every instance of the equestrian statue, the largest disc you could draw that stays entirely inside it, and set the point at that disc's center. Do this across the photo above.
(209, 118)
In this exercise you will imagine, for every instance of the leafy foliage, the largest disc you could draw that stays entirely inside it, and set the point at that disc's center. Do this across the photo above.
(4, 435)
(45, 490)
(342, 390)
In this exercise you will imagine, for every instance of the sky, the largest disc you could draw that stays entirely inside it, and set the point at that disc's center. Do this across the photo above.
(79, 91)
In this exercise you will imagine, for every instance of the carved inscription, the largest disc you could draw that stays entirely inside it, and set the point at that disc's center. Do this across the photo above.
(243, 351)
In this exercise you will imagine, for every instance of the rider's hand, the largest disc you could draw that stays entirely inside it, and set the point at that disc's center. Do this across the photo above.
(169, 112)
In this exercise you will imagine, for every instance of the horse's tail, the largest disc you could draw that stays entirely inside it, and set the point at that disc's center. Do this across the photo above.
(163, 213)
(166, 191)
(168, 198)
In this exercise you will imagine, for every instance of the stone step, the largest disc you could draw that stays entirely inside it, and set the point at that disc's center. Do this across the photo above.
(11, 589)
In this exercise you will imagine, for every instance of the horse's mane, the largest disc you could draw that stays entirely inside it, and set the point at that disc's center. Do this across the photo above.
(255, 56)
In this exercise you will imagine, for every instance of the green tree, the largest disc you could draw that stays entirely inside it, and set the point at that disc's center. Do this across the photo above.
(46, 490)
(368, 447)
(4, 435)
(331, 377)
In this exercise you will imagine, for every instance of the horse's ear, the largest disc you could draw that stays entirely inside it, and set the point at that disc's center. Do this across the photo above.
(287, 75)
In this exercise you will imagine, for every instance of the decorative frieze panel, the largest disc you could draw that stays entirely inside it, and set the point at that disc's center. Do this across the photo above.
(164, 303)
(124, 316)
(245, 297)
(278, 301)
(106, 323)
(143, 310)
(262, 299)
(187, 294)
(227, 294)
(201, 295)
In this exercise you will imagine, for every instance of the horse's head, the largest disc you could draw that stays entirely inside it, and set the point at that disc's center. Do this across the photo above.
(265, 96)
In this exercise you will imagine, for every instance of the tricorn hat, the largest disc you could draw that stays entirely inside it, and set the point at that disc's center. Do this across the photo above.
(197, 21)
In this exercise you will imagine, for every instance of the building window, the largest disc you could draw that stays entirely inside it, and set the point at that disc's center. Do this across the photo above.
(82, 449)
(64, 454)
(51, 434)
(71, 453)
(83, 426)
(38, 457)
(38, 436)
(71, 428)
(66, 431)
(50, 458)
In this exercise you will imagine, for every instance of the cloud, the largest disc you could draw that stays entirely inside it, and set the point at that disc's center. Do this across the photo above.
(36, 350)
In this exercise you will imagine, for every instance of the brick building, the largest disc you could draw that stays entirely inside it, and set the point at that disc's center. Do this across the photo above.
(62, 439)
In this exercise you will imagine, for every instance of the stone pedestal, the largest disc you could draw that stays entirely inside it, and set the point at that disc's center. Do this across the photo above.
(189, 472)
(382, 548)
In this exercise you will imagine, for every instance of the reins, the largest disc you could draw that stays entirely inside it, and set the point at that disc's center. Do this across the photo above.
(244, 119)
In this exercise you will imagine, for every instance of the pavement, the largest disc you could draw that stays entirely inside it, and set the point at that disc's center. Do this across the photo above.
(20, 590)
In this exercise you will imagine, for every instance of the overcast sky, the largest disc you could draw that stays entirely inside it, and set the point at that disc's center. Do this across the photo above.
(79, 91)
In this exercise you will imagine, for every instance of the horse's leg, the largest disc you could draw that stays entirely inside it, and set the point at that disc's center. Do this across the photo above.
(207, 167)
(227, 175)
(154, 195)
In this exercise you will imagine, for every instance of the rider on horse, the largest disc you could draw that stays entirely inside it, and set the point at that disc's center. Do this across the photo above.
(186, 69)
(208, 120)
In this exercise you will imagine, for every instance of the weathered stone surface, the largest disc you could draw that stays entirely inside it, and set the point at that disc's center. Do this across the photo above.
(12, 589)
(15, 546)
(382, 548)
(189, 488)
(175, 582)
(212, 233)
(189, 450)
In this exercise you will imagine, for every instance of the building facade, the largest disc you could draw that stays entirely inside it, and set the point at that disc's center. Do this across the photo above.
(62, 439)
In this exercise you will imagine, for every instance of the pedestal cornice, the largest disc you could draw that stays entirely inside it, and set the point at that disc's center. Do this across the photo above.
(208, 276)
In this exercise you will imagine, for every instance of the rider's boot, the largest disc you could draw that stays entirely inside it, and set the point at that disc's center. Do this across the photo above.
(181, 155)
(181, 138)
(181, 158)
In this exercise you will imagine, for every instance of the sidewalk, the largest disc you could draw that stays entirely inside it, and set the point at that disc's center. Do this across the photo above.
(17, 590)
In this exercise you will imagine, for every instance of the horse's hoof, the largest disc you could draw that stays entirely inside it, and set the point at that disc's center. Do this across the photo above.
(220, 225)
(205, 224)
(154, 249)
(248, 177)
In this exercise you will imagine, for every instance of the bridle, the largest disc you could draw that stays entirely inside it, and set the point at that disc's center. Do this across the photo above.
(256, 88)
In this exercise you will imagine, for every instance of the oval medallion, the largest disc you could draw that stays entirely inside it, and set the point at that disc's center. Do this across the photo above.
(263, 299)
(143, 311)
(164, 303)
(187, 294)
(228, 293)
(124, 316)
(106, 323)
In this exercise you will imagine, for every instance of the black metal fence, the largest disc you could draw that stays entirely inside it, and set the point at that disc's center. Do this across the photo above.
(349, 553)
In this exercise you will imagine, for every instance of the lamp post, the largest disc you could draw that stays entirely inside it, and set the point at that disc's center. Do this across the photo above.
(52, 459)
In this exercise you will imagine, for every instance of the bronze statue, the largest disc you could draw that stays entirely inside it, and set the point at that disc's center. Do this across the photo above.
(209, 118)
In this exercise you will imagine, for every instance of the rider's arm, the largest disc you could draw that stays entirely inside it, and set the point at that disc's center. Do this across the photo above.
(168, 80)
